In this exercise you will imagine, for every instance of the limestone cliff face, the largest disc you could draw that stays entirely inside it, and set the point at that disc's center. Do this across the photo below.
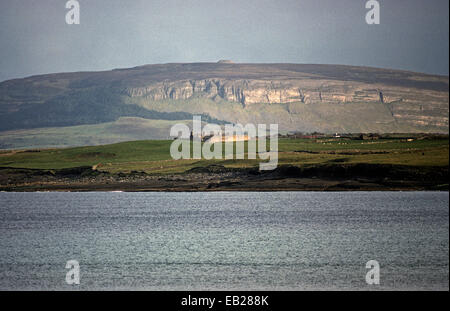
(248, 92)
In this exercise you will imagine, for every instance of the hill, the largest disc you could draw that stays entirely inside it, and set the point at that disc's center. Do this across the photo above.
(299, 97)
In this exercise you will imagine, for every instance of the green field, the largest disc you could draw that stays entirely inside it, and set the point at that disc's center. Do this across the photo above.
(152, 156)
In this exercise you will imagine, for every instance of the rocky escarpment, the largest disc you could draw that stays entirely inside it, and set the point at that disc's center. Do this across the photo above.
(249, 92)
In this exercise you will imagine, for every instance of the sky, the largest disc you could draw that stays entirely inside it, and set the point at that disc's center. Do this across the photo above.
(35, 38)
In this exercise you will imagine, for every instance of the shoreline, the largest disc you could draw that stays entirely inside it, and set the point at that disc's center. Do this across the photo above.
(354, 177)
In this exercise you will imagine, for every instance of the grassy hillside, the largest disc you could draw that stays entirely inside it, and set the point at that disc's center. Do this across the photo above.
(124, 129)
(152, 156)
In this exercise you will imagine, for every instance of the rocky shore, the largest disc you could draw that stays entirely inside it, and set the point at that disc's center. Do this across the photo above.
(335, 177)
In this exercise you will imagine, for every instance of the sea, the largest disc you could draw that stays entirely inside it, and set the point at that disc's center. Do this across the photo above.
(290, 241)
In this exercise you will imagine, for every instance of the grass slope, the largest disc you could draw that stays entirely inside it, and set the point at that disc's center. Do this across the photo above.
(124, 129)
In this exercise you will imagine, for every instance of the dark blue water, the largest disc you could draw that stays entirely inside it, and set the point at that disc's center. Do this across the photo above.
(225, 240)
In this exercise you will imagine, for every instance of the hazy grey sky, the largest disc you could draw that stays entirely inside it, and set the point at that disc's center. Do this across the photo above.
(34, 38)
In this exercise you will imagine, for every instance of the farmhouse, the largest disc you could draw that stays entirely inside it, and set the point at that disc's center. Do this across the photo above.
(217, 138)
